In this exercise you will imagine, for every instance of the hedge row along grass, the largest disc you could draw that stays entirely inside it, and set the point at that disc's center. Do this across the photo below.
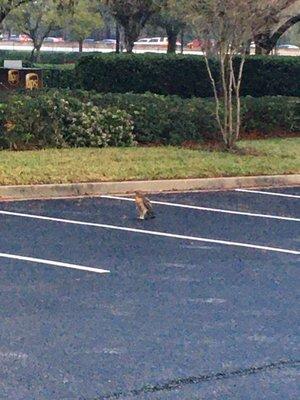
(39, 120)
(275, 156)
(82, 118)
(173, 120)
(184, 75)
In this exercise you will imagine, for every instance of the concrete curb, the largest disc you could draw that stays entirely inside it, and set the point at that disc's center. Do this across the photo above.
(100, 188)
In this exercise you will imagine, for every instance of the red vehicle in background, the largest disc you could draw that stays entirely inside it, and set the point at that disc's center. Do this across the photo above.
(199, 44)
(24, 38)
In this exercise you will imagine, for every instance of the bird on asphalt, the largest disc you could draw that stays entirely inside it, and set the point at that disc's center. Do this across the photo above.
(144, 206)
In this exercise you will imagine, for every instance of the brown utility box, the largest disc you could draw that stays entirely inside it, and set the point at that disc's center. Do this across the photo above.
(23, 78)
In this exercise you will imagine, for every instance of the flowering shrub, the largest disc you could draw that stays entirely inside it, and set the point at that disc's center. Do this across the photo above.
(55, 120)
(96, 127)
(81, 118)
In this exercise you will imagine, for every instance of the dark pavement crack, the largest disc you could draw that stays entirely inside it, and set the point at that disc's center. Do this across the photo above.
(178, 383)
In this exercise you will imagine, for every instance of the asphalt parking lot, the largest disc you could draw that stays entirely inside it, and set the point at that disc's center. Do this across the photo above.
(199, 303)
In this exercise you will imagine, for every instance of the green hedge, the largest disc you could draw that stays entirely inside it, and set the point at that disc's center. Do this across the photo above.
(155, 118)
(46, 57)
(173, 120)
(272, 76)
(60, 78)
(35, 120)
(163, 119)
(184, 75)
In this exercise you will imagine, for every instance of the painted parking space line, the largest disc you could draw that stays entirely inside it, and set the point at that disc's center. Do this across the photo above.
(248, 214)
(153, 233)
(53, 263)
(293, 196)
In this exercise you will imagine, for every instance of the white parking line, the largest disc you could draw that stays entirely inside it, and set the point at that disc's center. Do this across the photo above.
(53, 263)
(268, 193)
(153, 233)
(248, 214)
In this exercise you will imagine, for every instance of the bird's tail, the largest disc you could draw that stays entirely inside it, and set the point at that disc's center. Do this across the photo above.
(150, 214)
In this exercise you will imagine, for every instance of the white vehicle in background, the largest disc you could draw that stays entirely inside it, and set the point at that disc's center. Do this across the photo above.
(154, 41)
(288, 46)
(142, 41)
(161, 41)
(52, 39)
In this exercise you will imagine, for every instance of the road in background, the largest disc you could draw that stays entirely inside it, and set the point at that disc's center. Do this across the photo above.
(98, 47)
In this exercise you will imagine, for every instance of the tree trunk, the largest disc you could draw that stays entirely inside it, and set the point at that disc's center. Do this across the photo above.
(129, 42)
(181, 40)
(32, 54)
(230, 102)
(263, 43)
(259, 50)
(237, 87)
(217, 101)
(3, 15)
(172, 39)
(287, 25)
(80, 45)
(131, 33)
(117, 38)
(38, 53)
(266, 42)
(35, 52)
(248, 47)
(224, 76)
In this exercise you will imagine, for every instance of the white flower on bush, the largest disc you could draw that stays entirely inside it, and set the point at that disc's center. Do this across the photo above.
(53, 119)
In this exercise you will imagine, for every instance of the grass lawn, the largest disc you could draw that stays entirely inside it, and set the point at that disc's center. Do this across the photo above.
(278, 156)
(70, 66)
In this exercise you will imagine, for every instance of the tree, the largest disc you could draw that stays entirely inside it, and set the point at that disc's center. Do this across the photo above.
(36, 20)
(84, 19)
(172, 22)
(132, 16)
(109, 23)
(226, 26)
(276, 25)
(6, 6)
(292, 35)
(266, 41)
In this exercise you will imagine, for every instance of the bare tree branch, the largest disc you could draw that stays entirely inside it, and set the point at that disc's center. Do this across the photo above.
(226, 26)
